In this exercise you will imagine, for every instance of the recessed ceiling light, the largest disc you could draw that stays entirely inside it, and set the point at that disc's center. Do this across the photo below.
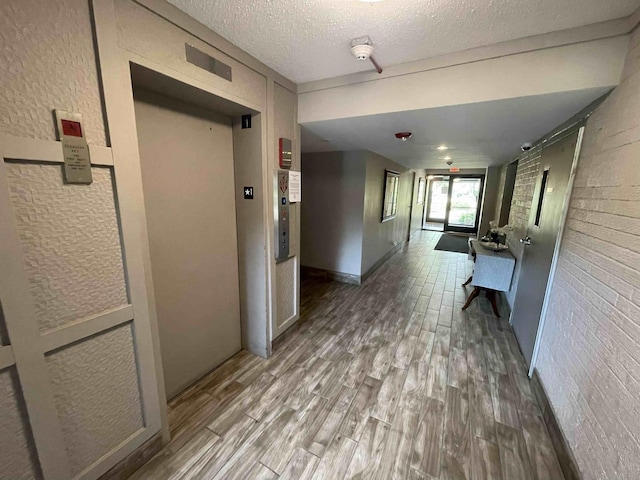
(447, 157)
(442, 147)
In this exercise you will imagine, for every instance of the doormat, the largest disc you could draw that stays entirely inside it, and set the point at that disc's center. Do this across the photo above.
(453, 243)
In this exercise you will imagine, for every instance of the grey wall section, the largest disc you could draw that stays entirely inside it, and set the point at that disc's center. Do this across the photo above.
(247, 154)
(186, 154)
(417, 209)
(380, 238)
(589, 359)
(342, 208)
(332, 211)
(489, 199)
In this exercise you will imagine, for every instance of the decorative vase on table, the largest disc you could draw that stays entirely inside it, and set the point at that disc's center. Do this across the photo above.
(498, 235)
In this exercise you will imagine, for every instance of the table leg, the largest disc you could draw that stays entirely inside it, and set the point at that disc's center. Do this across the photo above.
(474, 294)
(491, 295)
(468, 281)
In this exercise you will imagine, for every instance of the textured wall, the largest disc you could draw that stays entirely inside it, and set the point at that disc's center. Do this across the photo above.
(331, 219)
(286, 292)
(380, 238)
(71, 242)
(96, 394)
(523, 189)
(589, 359)
(48, 61)
(18, 458)
(153, 38)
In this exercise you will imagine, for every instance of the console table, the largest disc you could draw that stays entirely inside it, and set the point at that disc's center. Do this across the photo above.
(492, 272)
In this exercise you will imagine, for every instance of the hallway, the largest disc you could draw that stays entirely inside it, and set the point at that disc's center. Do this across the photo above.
(389, 380)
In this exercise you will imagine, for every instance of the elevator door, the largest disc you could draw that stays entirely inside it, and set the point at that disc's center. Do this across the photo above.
(186, 154)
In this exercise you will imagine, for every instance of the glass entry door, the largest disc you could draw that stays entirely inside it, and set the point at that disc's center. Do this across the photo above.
(463, 212)
(437, 201)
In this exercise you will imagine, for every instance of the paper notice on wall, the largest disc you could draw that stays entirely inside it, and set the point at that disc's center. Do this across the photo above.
(75, 150)
(295, 187)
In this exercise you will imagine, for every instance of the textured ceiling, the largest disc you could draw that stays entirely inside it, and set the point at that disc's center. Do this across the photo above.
(477, 134)
(308, 40)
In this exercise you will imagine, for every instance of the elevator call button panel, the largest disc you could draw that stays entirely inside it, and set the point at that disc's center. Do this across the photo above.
(281, 209)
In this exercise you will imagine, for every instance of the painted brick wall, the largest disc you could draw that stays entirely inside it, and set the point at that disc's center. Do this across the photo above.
(525, 184)
(589, 359)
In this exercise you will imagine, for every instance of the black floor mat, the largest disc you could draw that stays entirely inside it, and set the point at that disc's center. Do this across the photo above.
(453, 243)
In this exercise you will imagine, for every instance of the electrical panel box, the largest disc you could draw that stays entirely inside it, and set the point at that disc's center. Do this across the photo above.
(281, 210)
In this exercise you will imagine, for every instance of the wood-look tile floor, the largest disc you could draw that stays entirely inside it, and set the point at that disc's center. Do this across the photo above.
(389, 380)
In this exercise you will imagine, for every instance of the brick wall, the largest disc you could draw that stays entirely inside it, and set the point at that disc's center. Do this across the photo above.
(589, 359)
(520, 207)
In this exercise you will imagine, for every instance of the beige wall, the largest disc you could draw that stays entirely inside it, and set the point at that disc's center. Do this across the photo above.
(341, 216)
(570, 67)
(332, 211)
(417, 209)
(380, 238)
(589, 359)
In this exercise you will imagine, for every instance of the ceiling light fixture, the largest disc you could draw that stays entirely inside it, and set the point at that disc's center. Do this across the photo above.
(442, 147)
(404, 136)
(447, 157)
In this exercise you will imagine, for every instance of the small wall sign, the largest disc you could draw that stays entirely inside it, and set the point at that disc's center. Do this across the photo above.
(295, 184)
(75, 150)
(248, 193)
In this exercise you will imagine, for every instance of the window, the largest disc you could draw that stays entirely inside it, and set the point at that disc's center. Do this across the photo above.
(390, 199)
(543, 189)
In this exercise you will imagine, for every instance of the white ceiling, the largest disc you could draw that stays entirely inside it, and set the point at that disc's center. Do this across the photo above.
(478, 134)
(308, 40)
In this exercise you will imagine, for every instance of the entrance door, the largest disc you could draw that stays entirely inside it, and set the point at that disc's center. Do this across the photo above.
(542, 232)
(437, 199)
(463, 212)
(186, 155)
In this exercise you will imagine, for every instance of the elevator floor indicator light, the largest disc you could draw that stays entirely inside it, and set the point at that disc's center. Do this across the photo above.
(248, 193)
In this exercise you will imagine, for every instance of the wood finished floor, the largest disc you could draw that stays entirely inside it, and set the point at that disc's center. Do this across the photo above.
(389, 380)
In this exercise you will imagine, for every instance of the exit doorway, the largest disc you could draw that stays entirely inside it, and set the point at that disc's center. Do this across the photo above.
(453, 203)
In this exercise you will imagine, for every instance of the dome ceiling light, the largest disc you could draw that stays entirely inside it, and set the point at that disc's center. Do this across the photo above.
(404, 136)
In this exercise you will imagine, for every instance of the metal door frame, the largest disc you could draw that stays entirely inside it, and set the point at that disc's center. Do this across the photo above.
(428, 199)
(447, 227)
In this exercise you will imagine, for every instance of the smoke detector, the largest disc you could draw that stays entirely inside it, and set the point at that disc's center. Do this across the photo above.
(362, 49)
(362, 52)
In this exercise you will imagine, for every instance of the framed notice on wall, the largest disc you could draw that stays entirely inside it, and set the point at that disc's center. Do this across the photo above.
(390, 198)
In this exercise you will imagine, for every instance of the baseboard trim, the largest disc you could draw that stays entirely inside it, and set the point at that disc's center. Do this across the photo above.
(135, 460)
(563, 451)
(348, 277)
(384, 258)
(331, 275)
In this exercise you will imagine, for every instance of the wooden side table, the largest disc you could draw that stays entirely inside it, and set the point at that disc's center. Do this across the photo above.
(492, 272)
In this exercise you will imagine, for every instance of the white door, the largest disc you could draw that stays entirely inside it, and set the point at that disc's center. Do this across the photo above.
(542, 232)
(186, 155)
